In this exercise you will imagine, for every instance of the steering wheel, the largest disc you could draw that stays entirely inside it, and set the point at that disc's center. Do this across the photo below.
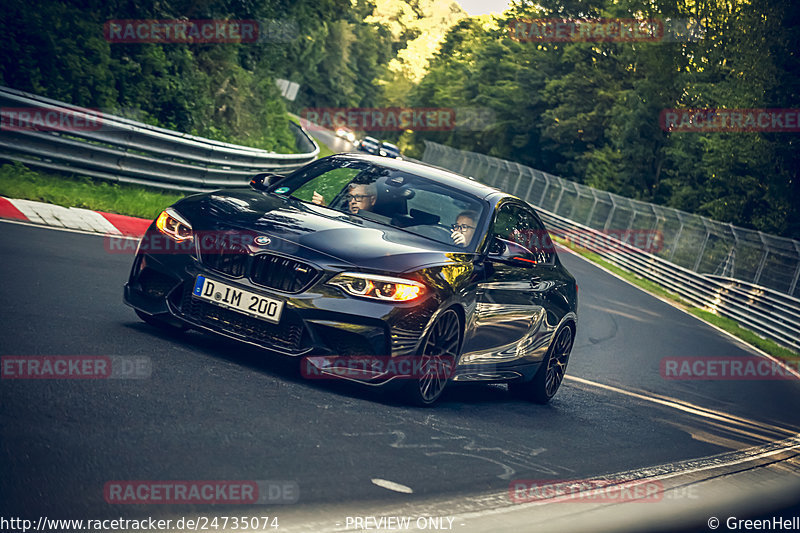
(437, 232)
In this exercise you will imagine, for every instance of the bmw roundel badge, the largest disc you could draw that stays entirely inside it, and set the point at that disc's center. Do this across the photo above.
(262, 240)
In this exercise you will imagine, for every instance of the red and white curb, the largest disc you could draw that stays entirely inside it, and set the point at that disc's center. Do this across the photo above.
(74, 218)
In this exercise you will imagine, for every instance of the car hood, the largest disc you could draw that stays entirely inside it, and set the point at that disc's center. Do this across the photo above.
(314, 233)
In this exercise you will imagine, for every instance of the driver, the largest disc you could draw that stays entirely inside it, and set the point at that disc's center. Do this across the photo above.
(464, 228)
(359, 196)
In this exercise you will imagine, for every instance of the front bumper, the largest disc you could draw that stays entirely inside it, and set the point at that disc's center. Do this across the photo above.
(322, 319)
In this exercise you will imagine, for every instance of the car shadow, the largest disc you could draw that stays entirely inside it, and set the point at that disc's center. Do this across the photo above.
(288, 368)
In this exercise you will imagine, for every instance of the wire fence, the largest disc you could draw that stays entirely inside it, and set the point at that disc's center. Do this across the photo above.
(691, 241)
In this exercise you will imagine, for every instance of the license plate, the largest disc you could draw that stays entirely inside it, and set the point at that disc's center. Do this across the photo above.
(245, 302)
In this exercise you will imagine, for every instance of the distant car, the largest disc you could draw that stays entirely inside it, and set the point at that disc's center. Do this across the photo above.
(371, 145)
(441, 279)
(347, 134)
(390, 150)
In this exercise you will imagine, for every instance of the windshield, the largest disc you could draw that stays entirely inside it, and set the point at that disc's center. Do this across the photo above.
(390, 197)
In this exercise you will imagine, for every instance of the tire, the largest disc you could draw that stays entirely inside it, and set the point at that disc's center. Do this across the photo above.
(548, 378)
(151, 320)
(439, 353)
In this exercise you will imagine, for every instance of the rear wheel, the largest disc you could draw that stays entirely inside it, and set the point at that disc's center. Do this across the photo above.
(438, 356)
(548, 378)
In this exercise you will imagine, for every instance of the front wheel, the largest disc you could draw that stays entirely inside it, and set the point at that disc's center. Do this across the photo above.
(548, 378)
(438, 356)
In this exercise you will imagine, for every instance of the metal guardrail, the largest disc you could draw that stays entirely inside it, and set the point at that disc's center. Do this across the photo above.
(692, 241)
(123, 150)
(774, 317)
(770, 313)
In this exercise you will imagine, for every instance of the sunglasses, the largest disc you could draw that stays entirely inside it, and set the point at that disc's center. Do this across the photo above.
(357, 197)
(462, 227)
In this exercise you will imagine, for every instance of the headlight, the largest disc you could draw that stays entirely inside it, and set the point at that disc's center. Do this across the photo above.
(170, 223)
(378, 287)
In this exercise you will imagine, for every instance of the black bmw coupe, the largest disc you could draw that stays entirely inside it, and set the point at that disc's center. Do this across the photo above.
(382, 271)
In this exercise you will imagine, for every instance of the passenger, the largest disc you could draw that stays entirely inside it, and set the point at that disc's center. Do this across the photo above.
(464, 228)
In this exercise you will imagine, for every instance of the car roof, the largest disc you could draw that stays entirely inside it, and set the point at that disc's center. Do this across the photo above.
(440, 175)
(373, 139)
(390, 145)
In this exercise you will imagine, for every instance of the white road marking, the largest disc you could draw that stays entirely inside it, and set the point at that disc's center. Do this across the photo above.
(464, 509)
(686, 407)
(391, 485)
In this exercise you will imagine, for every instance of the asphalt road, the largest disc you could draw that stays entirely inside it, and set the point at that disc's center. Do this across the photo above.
(336, 144)
(217, 410)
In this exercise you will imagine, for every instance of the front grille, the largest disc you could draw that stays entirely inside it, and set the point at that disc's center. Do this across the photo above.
(281, 273)
(287, 335)
(222, 255)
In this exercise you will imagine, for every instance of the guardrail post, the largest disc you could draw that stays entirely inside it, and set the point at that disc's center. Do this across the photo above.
(610, 216)
(479, 169)
(794, 281)
(530, 183)
(560, 195)
(633, 215)
(519, 178)
(591, 211)
(796, 271)
(763, 259)
(677, 238)
(463, 163)
(575, 203)
(702, 248)
(544, 192)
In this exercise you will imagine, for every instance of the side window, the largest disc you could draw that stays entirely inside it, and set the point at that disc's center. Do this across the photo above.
(522, 227)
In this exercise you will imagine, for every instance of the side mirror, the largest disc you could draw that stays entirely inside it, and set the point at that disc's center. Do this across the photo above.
(505, 251)
(263, 181)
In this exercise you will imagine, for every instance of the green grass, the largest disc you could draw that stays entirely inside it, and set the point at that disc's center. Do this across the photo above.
(324, 151)
(17, 181)
(745, 334)
(727, 324)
